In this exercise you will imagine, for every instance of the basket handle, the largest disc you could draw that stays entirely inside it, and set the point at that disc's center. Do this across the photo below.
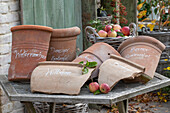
(133, 31)
(91, 34)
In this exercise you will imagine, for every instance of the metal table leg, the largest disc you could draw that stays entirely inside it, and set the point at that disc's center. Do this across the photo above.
(29, 107)
(123, 106)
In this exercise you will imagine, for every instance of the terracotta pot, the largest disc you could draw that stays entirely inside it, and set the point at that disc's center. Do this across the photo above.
(117, 68)
(30, 45)
(58, 77)
(63, 44)
(98, 52)
(143, 50)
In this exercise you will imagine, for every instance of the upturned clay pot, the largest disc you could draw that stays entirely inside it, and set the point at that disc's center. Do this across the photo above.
(143, 50)
(30, 45)
(98, 52)
(58, 77)
(117, 68)
(63, 44)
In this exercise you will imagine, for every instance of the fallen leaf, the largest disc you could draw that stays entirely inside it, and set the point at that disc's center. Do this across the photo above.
(155, 109)
(141, 26)
(145, 19)
(159, 105)
(153, 106)
(151, 26)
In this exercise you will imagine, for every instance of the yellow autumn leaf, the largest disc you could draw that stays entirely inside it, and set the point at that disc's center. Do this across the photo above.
(158, 93)
(162, 7)
(164, 100)
(166, 22)
(140, 6)
(145, 19)
(142, 13)
(165, 59)
(164, 69)
(141, 25)
(153, 21)
(168, 68)
(151, 26)
(164, 94)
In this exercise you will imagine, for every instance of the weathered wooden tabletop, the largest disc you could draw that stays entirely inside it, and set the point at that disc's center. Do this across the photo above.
(21, 92)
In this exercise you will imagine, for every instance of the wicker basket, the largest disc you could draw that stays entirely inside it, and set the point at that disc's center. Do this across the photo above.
(93, 37)
(61, 108)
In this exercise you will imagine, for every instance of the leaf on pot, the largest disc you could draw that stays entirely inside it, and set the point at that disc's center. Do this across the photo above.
(141, 26)
(81, 62)
(166, 22)
(92, 64)
(151, 26)
(85, 70)
(142, 13)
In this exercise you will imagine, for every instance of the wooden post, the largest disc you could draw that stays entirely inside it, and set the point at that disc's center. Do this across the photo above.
(89, 12)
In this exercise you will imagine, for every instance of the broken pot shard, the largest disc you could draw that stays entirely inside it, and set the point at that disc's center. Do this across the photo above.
(98, 52)
(117, 68)
(58, 77)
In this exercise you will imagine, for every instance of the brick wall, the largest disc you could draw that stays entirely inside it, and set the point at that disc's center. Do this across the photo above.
(9, 17)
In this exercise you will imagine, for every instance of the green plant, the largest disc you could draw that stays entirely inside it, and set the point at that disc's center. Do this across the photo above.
(87, 65)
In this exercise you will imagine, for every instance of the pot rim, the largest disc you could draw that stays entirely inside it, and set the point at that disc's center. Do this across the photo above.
(31, 27)
(145, 39)
(59, 63)
(112, 56)
(66, 32)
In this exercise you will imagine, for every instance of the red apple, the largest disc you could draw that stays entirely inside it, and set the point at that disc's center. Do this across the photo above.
(102, 33)
(117, 30)
(104, 88)
(107, 28)
(126, 31)
(112, 34)
(116, 27)
(94, 86)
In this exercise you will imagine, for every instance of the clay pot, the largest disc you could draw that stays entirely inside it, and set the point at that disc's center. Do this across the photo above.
(117, 68)
(98, 52)
(30, 45)
(63, 44)
(143, 50)
(58, 77)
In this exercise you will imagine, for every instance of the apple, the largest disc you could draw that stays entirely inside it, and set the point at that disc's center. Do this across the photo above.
(104, 88)
(102, 33)
(94, 86)
(116, 27)
(112, 34)
(126, 30)
(107, 28)
(117, 30)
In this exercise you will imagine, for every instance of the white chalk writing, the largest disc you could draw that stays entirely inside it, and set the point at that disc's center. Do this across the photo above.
(137, 55)
(61, 51)
(138, 49)
(57, 71)
(59, 58)
(120, 66)
(87, 58)
(28, 53)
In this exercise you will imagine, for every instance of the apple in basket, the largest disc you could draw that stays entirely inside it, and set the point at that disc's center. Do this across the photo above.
(116, 27)
(107, 28)
(104, 88)
(102, 33)
(126, 30)
(112, 34)
(94, 86)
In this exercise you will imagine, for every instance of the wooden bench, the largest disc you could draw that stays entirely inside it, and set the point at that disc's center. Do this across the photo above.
(17, 91)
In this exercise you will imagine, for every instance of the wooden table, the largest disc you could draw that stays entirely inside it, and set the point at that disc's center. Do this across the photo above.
(120, 93)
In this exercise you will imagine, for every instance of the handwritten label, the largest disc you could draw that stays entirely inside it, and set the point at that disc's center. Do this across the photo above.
(120, 66)
(60, 58)
(137, 55)
(87, 58)
(29, 53)
(57, 71)
(138, 49)
(61, 51)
